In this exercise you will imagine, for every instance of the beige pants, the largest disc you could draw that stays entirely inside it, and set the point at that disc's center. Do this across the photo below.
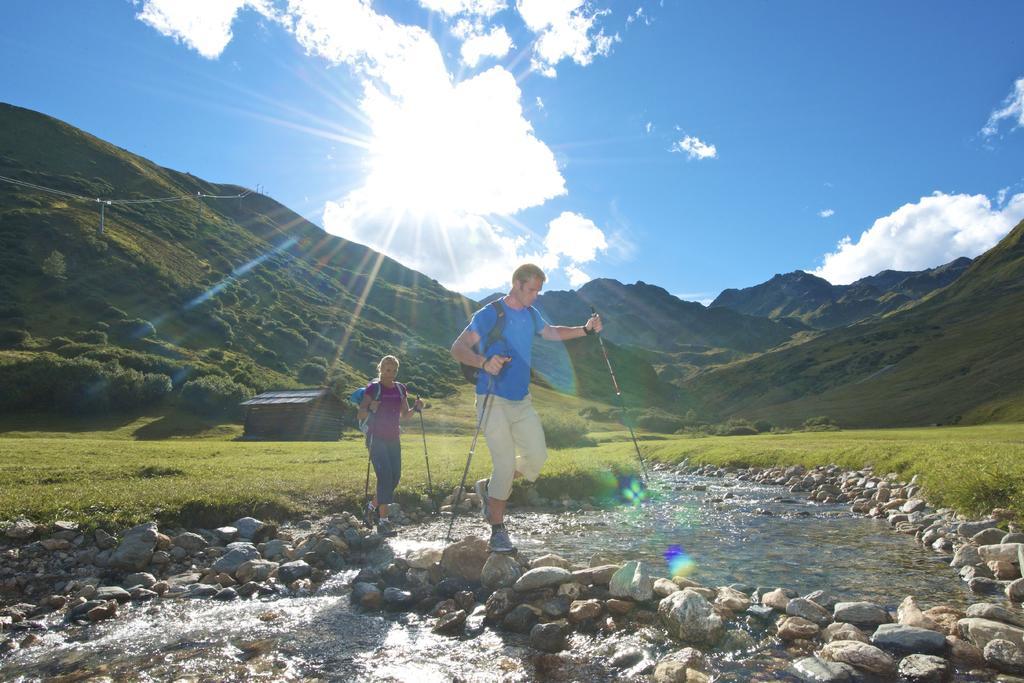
(515, 438)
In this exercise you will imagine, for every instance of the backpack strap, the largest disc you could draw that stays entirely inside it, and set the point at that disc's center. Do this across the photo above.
(403, 391)
(498, 330)
(538, 322)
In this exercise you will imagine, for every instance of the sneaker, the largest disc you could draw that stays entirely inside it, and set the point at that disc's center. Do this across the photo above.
(481, 490)
(370, 516)
(385, 529)
(500, 542)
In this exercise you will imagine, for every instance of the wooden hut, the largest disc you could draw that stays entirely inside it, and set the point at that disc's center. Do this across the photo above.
(307, 415)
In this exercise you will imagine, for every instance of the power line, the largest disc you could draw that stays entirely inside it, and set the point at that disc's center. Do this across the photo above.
(121, 202)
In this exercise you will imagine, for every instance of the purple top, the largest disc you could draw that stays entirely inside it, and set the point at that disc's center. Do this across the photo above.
(384, 424)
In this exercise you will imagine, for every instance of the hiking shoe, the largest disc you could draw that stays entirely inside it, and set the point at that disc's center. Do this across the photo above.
(370, 516)
(385, 529)
(500, 542)
(481, 490)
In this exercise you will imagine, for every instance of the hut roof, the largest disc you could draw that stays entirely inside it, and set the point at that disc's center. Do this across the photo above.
(276, 397)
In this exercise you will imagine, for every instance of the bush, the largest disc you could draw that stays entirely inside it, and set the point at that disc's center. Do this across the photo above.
(564, 431)
(91, 337)
(660, 421)
(210, 395)
(821, 423)
(310, 373)
(763, 426)
(114, 313)
(130, 330)
(13, 338)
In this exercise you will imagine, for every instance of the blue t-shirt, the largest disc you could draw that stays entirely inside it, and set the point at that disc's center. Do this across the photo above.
(516, 340)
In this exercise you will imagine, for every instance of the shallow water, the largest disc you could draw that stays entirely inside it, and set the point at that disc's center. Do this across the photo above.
(799, 545)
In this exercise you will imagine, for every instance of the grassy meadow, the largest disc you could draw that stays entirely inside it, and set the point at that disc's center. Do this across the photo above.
(179, 470)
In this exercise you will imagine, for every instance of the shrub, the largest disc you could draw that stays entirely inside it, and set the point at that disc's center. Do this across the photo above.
(114, 313)
(310, 373)
(12, 338)
(54, 266)
(210, 395)
(130, 330)
(91, 337)
(821, 423)
(563, 431)
(763, 426)
(660, 421)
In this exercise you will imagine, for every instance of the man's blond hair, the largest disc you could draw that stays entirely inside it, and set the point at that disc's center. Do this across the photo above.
(527, 272)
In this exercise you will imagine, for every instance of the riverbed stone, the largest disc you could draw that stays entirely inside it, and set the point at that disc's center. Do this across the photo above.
(909, 614)
(237, 554)
(551, 560)
(986, 610)
(293, 571)
(136, 548)
(860, 613)
(732, 599)
(860, 656)
(989, 536)
(144, 579)
(21, 529)
(520, 619)
(980, 631)
(632, 581)
(500, 571)
(573, 590)
(466, 558)
(796, 628)
(366, 595)
(423, 558)
(909, 639)
(690, 618)
(581, 610)
(965, 556)
(1004, 656)
(108, 610)
(968, 529)
(924, 669)
(542, 577)
(1001, 552)
(598, 576)
(251, 528)
(499, 604)
(809, 610)
(115, 593)
(190, 542)
(255, 570)
(816, 670)
(397, 599)
(549, 637)
(1015, 590)
(776, 599)
(665, 587)
(619, 607)
(963, 652)
(226, 594)
(451, 623)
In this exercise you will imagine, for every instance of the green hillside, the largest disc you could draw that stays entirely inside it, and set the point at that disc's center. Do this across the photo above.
(957, 357)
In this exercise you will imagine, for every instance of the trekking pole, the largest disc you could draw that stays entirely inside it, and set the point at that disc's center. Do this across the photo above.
(366, 490)
(622, 404)
(430, 486)
(472, 448)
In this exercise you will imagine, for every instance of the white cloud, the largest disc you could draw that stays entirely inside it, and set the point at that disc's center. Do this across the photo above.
(203, 25)
(480, 8)
(497, 43)
(695, 148)
(1012, 109)
(564, 29)
(540, 103)
(928, 233)
(575, 237)
(648, 127)
(827, 213)
(577, 278)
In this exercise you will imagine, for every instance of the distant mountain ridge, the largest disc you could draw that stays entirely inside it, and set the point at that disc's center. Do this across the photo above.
(822, 305)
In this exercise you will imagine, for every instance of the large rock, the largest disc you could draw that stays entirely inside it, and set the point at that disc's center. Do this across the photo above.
(909, 639)
(598, 576)
(860, 656)
(1004, 656)
(984, 610)
(924, 669)
(732, 599)
(797, 628)
(551, 560)
(255, 570)
(292, 571)
(542, 577)
(144, 579)
(688, 617)
(21, 528)
(814, 670)
(136, 548)
(423, 558)
(237, 555)
(965, 556)
(981, 631)
(909, 614)
(466, 558)
(190, 542)
(1001, 552)
(809, 610)
(549, 637)
(633, 581)
(500, 571)
(860, 613)
(251, 528)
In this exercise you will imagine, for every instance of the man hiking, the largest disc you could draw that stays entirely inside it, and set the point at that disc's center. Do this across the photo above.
(512, 427)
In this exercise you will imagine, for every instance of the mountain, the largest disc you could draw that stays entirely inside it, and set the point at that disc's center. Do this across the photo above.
(955, 357)
(822, 305)
(240, 289)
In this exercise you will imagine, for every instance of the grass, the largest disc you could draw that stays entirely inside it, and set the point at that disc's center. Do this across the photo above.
(101, 478)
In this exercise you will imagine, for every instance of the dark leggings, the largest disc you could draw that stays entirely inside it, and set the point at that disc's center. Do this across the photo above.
(386, 456)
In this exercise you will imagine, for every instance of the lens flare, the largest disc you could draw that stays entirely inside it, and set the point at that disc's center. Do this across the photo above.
(632, 490)
(679, 563)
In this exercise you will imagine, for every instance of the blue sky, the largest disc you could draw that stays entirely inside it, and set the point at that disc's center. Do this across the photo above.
(693, 145)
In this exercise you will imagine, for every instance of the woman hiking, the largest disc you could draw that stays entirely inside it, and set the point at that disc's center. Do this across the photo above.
(385, 404)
